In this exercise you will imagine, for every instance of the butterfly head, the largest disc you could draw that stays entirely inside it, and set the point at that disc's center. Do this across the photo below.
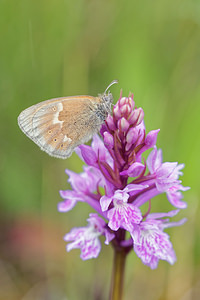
(107, 97)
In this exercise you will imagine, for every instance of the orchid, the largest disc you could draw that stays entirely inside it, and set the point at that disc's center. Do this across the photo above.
(116, 182)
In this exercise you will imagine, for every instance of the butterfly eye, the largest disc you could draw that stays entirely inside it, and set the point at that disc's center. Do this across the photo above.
(54, 108)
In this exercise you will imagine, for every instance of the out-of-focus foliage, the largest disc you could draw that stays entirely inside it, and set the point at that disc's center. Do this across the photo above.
(52, 48)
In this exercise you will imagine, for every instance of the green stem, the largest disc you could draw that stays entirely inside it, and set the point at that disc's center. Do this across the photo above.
(117, 282)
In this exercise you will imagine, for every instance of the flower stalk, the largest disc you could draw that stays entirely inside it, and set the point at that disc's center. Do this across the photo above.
(117, 281)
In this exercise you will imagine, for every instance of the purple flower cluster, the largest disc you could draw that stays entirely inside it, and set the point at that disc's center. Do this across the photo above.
(117, 182)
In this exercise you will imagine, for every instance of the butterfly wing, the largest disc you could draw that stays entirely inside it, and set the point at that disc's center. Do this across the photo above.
(57, 126)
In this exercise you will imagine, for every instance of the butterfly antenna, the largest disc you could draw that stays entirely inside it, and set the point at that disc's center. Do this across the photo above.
(113, 82)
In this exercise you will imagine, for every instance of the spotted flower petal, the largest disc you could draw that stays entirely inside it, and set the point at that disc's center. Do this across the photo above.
(154, 244)
(87, 238)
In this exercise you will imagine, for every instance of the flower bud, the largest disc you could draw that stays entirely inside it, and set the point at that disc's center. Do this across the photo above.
(123, 125)
(108, 140)
(116, 112)
(151, 138)
(136, 117)
(110, 123)
(132, 136)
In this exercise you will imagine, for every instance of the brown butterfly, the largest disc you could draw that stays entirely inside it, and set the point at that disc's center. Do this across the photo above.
(59, 125)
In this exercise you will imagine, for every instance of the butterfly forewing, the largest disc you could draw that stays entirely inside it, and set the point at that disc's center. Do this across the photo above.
(47, 124)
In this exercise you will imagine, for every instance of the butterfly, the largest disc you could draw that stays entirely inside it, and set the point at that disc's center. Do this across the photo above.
(59, 125)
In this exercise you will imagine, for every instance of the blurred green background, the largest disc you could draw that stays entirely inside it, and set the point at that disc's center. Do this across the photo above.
(52, 48)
